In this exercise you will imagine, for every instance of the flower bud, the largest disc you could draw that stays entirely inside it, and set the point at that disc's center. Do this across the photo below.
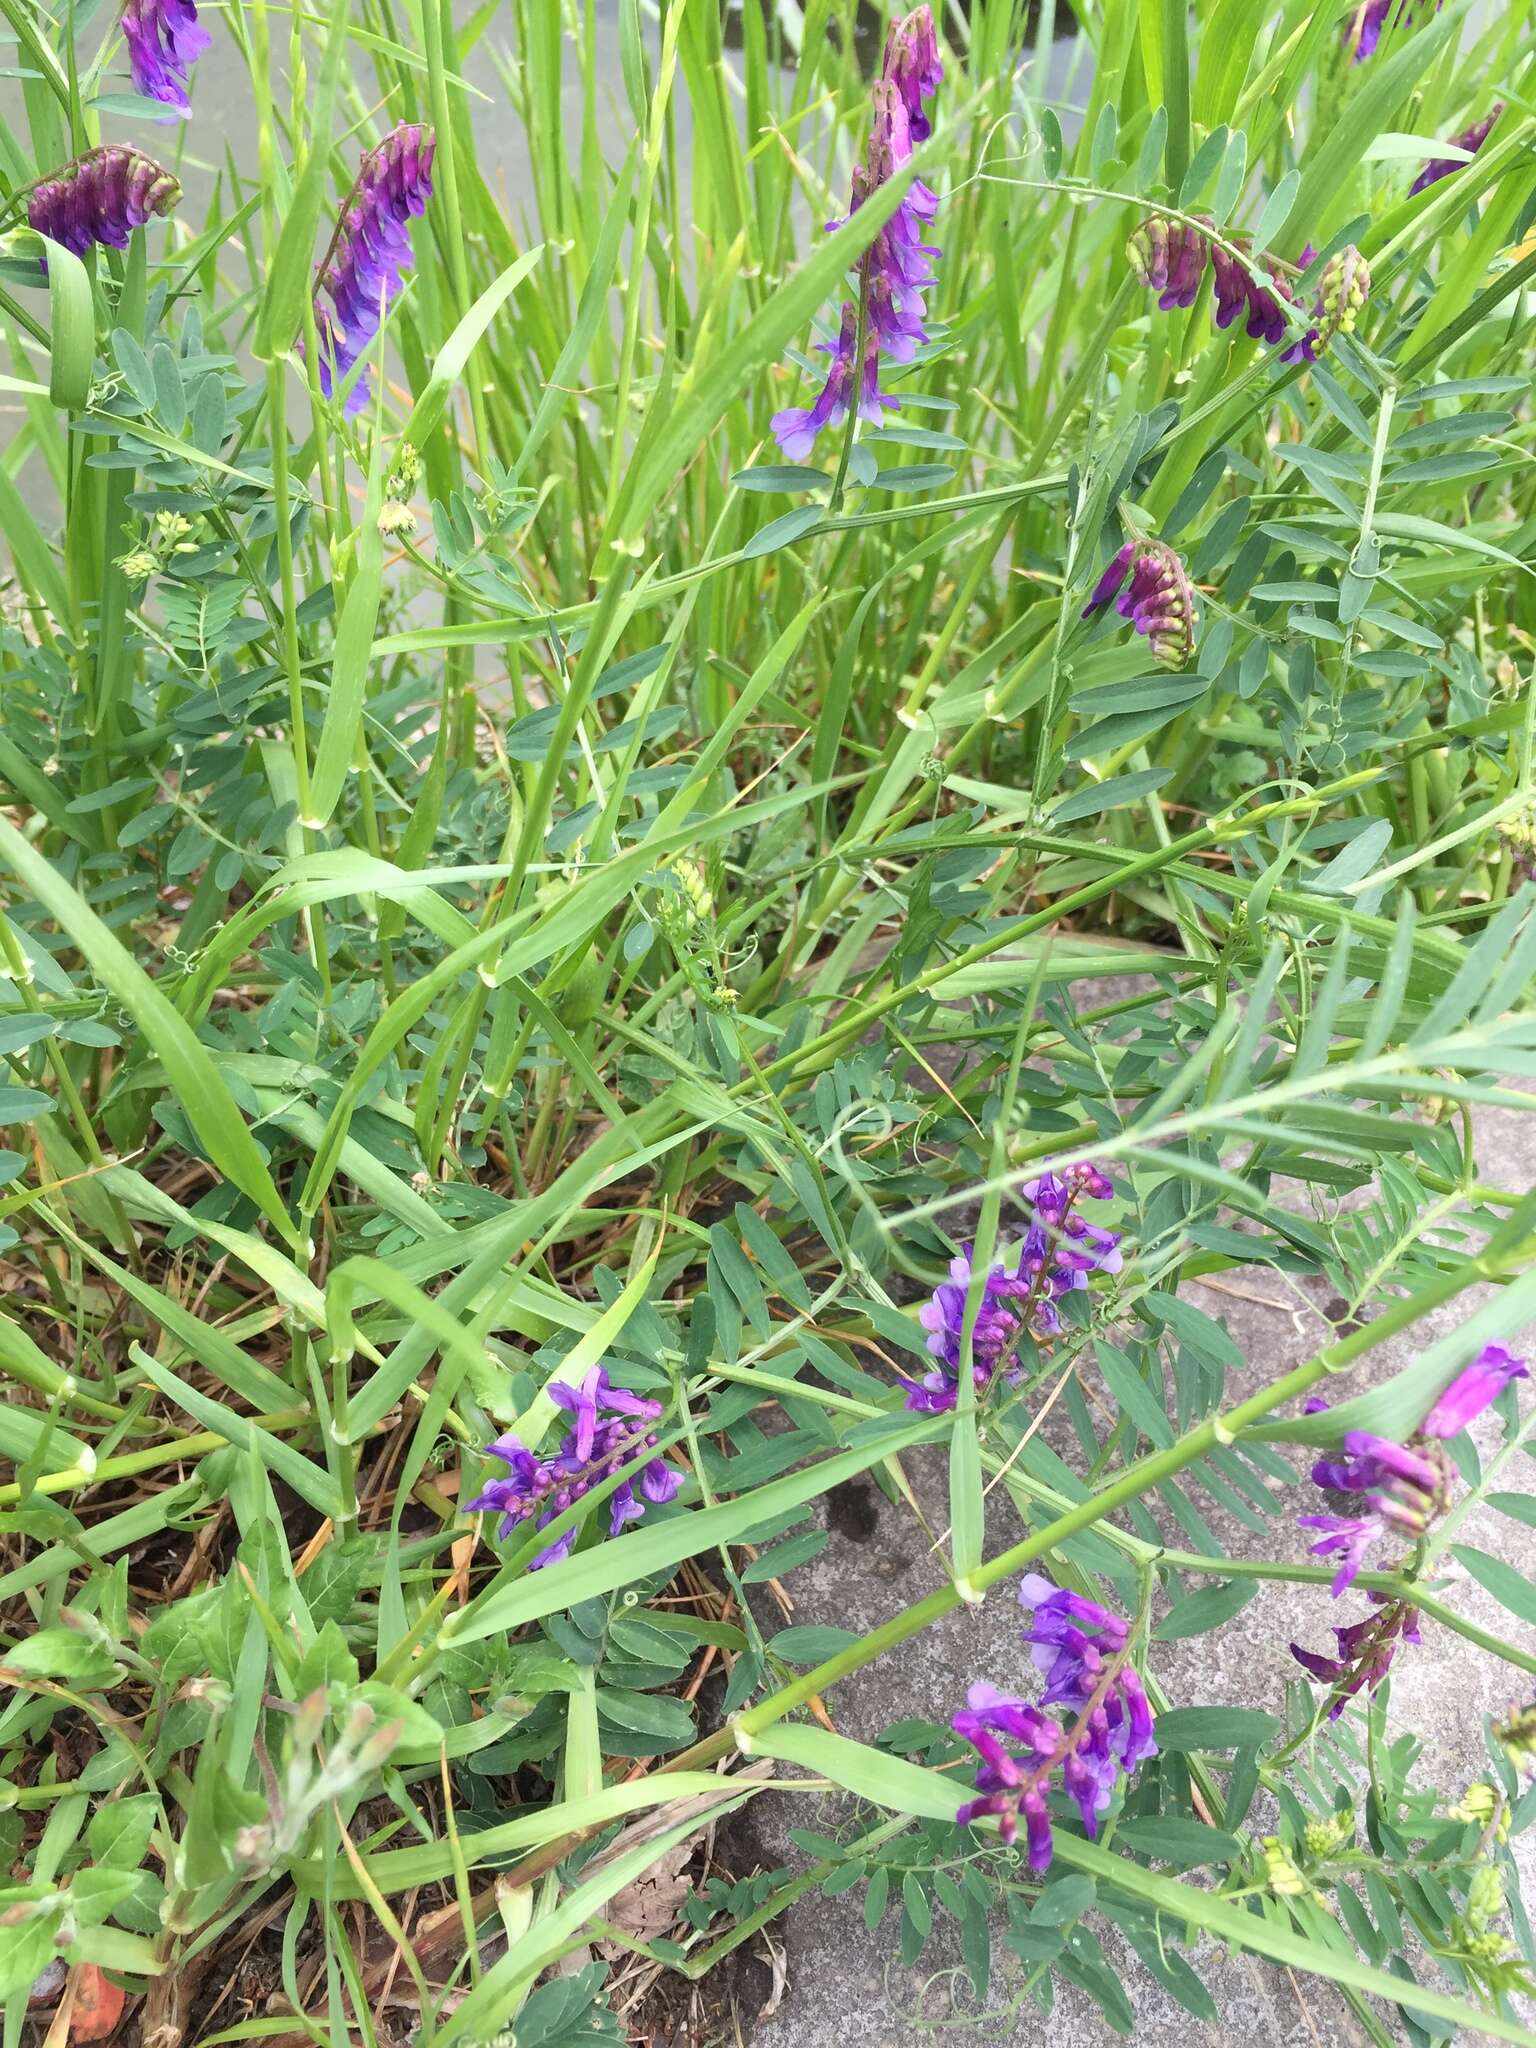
(1346, 285)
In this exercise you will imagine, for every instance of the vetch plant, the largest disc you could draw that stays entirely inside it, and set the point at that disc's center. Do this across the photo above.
(643, 1072)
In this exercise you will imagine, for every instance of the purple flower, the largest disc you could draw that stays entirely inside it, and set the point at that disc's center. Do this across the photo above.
(1159, 601)
(101, 197)
(1112, 1733)
(796, 428)
(911, 63)
(1473, 1390)
(602, 1437)
(1366, 1650)
(1363, 29)
(371, 251)
(1471, 139)
(1059, 1251)
(164, 41)
(1404, 1490)
(895, 272)
(1347, 1537)
(1169, 257)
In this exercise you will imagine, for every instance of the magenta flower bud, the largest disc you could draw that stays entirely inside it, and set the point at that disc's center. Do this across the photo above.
(1472, 1390)
(101, 197)
(1471, 139)
(1169, 257)
(164, 41)
(911, 63)
(1160, 602)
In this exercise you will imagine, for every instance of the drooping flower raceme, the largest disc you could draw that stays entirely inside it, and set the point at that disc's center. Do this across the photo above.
(1365, 1651)
(1404, 1488)
(896, 271)
(1078, 1647)
(1159, 599)
(1060, 1249)
(165, 39)
(1471, 139)
(1170, 257)
(371, 251)
(101, 197)
(606, 1432)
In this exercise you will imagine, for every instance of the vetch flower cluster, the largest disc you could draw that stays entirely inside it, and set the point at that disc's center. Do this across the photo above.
(1403, 1489)
(1081, 1650)
(895, 273)
(165, 39)
(1470, 139)
(1159, 599)
(603, 1436)
(371, 251)
(101, 197)
(1060, 1249)
(1170, 258)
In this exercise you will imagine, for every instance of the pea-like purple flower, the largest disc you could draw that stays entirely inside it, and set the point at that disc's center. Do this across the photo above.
(1366, 1650)
(896, 271)
(1404, 1488)
(1078, 1646)
(796, 427)
(1471, 139)
(101, 197)
(1169, 257)
(1159, 599)
(1060, 1249)
(165, 39)
(371, 251)
(605, 1433)
(1474, 1390)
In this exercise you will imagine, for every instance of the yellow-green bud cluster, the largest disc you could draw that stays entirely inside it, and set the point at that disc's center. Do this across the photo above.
(1280, 1872)
(1345, 287)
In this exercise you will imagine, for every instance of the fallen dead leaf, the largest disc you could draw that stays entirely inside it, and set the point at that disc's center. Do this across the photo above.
(98, 2006)
(651, 1904)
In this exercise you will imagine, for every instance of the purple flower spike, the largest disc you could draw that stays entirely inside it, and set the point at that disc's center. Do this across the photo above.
(1160, 603)
(896, 271)
(1059, 1251)
(604, 1436)
(1471, 139)
(371, 251)
(101, 197)
(1366, 1650)
(1111, 1730)
(1473, 1390)
(164, 41)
